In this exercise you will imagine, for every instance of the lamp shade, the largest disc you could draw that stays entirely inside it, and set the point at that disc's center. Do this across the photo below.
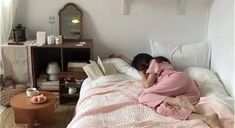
(53, 70)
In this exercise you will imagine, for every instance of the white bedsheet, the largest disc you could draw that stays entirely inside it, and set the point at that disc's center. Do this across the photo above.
(110, 101)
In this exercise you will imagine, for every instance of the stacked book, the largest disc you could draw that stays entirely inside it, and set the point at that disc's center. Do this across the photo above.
(44, 84)
(75, 66)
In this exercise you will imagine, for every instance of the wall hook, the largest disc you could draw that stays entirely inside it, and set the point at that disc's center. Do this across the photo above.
(181, 6)
(125, 7)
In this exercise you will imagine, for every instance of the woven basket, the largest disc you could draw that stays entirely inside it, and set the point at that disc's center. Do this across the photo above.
(8, 90)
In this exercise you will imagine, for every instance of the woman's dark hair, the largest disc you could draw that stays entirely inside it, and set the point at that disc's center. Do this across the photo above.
(160, 59)
(142, 60)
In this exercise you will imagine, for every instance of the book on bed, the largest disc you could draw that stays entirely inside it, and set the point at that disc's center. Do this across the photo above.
(97, 69)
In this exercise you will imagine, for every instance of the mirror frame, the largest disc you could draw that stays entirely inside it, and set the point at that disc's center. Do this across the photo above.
(60, 22)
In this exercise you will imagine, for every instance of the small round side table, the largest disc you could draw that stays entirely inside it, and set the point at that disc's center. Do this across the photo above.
(26, 112)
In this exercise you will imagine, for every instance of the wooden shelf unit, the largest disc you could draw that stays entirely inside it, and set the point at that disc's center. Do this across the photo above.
(65, 97)
(62, 54)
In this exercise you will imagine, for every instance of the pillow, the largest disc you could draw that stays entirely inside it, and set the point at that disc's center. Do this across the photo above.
(206, 79)
(183, 56)
(200, 74)
(123, 67)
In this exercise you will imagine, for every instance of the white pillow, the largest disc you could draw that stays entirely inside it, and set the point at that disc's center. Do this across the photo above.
(207, 80)
(183, 56)
(123, 67)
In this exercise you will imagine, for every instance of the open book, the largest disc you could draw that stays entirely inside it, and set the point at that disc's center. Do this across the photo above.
(97, 69)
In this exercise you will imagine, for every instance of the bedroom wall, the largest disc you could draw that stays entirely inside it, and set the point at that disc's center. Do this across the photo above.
(221, 34)
(112, 31)
(128, 34)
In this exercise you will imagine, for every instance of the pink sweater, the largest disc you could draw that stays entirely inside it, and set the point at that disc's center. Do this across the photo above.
(169, 83)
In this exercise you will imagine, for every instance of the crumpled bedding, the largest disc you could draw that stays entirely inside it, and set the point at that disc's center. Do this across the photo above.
(111, 101)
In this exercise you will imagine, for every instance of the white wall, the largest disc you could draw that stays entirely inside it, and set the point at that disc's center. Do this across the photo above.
(221, 33)
(127, 34)
(158, 19)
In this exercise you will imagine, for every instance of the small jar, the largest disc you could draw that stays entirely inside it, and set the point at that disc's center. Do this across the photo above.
(58, 40)
(51, 39)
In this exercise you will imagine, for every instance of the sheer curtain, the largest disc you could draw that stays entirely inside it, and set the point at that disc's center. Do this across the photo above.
(7, 17)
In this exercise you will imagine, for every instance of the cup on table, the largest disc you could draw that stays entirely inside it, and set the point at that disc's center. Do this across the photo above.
(72, 90)
(30, 92)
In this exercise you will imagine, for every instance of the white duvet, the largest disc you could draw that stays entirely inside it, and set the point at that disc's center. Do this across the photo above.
(110, 101)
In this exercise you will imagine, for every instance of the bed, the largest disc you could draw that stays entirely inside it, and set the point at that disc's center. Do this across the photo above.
(111, 101)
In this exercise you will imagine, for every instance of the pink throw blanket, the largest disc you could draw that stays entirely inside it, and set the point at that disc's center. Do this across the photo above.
(115, 105)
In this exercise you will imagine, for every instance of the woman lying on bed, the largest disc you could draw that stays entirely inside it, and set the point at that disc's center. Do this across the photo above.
(169, 92)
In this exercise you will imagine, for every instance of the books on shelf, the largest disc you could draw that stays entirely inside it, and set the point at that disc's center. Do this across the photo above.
(42, 77)
(75, 66)
(44, 84)
(52, 83)
(48, 85)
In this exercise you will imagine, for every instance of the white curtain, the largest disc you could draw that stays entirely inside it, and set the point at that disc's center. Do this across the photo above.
(7, 17)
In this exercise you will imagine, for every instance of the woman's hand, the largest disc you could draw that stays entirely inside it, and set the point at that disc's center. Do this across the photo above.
(147, 79)
(115, 55)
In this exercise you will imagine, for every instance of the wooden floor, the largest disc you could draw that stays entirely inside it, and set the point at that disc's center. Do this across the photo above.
(64, 114)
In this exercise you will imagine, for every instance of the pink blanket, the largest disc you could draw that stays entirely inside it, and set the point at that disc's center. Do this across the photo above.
(115, 105)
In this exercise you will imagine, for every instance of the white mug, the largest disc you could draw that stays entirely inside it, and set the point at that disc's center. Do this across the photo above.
(30, 92)
(72, 90)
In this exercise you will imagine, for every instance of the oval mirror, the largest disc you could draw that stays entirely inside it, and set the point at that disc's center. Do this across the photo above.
(70, 21)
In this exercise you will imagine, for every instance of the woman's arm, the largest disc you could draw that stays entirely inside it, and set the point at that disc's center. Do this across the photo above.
(147, 81)
(122, 57)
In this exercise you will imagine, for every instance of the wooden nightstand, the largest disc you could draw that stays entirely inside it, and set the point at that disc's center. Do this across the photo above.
(70, 80)
(62, 54)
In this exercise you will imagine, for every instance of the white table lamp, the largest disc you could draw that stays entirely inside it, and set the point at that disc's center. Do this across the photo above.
(53, 70)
